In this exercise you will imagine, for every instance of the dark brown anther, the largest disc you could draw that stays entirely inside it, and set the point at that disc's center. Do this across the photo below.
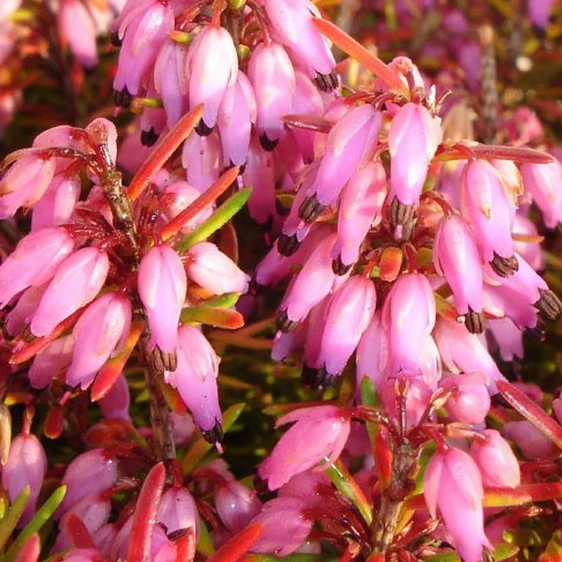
(549, 304)
(475, 322)
(404, 216)
(504, 267)
(202, 129)
(316, 378)
(215, 434)
(255, 289)
(164, 361)
(339, 268)
(149, 138)
(310, 209)
(326, 82)
(122, 98)
(287, 245)
(268, 144)
(115, 39)
(284, 324)
(538, 331)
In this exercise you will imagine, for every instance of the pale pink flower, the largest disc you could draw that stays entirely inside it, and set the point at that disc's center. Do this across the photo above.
(413, 139)
(539, 12)
(202, 159)
(319, 431)
(162, 288)
(196, 380)
(236, 505)
(498, 465)
(273, 77)
(76, 282)
(99, 331)
(209, 267)
(532, 442)
(470, 399)
(78, 29)
(543, 181)
(212, 67)
(177, 510)
(26, 466)
(452, 484)
(50, 362)
(57, 205)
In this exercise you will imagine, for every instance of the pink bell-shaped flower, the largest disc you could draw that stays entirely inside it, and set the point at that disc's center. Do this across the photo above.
(413, 138)
(177, 511)
(209, 267)
(57, 205)
(348, 314)
(319, 431)
(236, 505)
(98, 332)
(212, 67)
(532, 442)
(196, 380)
(202, 159)
(543, 181)
(50, 361)
(452, 484)
(360, 205)
(162, 288)
(498, 465)
(409, 317)
(78, 28)
(272, 75)
(236, 115)
(77, 281)
(488, 208)
(33, 262)
(26, 466)
(470, 400)
(456, 256)
(115, 404)
(292, 22)
(372, 353)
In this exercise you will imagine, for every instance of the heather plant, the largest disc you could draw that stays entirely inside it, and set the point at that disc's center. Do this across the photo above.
(388, 296)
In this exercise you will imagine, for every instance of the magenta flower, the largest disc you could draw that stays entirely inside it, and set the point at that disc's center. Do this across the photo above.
(77, 281)
(212, 67)
(162, 288)
(319, 432)
(273, 77)
(542, 181)
(452, 483)
(99, 331)
(236, 505)
(498, 465)
(413, 139)
(532, 442)
(209, 267)
(456, 256)
(470, 399)
(26, 466)
(348, 314)
(196, 380)
(177, 510)
(50, 361)
(33, 262)
(360, 205)
(372, 353)
(57, 205)
(78, 28)
(115, 404)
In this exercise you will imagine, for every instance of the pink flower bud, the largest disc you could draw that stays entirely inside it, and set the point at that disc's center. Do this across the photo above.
(319, 431)
(115, 404)
(372, 353)
(272, 75)
(25, 183)
(57, 205)
(532, 442)
(98, 332)
(82, 555)
(539, 12)
(292, 22)
(508, 337)
(171, 81)
(78, 28)
(542, 181)
(488, 208)
(360, 205)
(285, 526)
(213, 270)
(33, 262)
(350, 142)
(409, 392)
(236, 505)
(18, 318)
(162, 288)
(470, 399)
(196, 380)
(236, 115)
(413, 138)
(409, 316)
(50, 361)
(202, 159)
(143, 30)
(77, 281)
(349, 313)
(212, 67)
(498, 465)
(456, 256)
(452, 483)
(177, 510)
(26, 466)
(91, 472)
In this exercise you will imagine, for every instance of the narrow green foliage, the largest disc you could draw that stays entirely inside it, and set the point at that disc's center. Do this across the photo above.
(12, 516)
